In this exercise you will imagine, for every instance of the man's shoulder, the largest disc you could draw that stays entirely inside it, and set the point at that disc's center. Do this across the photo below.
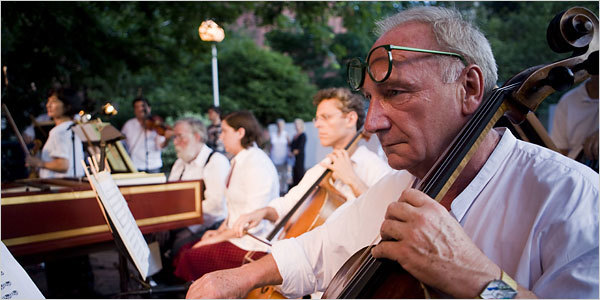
(553, 166)
(129, 123)
(216, 158)
(576, 94)
(369, 159)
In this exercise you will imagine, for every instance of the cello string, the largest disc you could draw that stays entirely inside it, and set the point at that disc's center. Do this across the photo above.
(473, 125)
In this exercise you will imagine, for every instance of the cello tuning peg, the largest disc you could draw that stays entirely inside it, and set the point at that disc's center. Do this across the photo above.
(591, 63)
(560, 78)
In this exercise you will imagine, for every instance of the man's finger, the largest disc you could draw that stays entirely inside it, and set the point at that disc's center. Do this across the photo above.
(393, 230)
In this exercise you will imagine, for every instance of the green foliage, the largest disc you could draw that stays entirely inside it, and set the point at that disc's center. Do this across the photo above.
(117, 49)
(264, 82)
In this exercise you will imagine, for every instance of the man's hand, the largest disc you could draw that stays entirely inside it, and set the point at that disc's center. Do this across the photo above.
(247, 221)
(238, 282)
(341, 166)
(223, 284)
(429, 243)
(590, 146)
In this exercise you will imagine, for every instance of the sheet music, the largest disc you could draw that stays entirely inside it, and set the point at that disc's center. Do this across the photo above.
(15, 282)
(123, 220)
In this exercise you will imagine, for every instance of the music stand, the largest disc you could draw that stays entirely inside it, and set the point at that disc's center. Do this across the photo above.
(105, 140)
(129, 240)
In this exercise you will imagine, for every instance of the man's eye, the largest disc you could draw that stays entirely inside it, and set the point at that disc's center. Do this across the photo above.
(391, 93)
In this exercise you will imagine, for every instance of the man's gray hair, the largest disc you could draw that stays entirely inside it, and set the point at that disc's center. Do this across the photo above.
(197, 127)
(454, 34)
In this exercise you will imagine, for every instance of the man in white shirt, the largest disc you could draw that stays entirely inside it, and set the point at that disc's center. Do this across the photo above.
(340, 114)
(197, 161)
(516, 210)
(143, 144)
(575, 123)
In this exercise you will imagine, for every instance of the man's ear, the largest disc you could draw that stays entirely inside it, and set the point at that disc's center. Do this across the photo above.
(352, 118)
(198, 138)
(472, 82)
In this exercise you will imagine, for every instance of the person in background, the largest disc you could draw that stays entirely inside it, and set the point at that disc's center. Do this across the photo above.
(297, 146)
(251, 184)
(143, 144)
(575, 122)
(520, 220)
(214, 129)
(63, 151)
(195, 160)
(279, 154)
(340, 114)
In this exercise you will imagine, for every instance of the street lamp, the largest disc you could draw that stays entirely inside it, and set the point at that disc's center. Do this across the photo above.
(211, 32)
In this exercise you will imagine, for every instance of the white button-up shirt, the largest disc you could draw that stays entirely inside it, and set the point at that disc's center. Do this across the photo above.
(214, 173)
(138, 142)
(253, 184)
(366, 164)
(60, 144)
(531, 210)
(575, 118)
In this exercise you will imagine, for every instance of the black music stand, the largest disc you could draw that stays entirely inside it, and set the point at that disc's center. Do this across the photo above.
(125, 255)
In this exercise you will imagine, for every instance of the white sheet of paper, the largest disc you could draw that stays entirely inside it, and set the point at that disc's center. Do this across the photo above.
(123, 220)
(16, 283)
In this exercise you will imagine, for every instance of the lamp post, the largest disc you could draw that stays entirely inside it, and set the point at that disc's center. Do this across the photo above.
(211, 32)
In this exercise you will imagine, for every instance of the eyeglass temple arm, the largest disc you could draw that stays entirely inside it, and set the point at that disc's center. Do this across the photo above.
(430, 51)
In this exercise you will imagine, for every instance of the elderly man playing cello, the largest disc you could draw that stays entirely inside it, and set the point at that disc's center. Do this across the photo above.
(520, 220)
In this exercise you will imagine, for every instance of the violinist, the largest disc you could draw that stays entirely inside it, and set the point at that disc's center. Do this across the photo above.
(340, 114)
(519, 217)
(144, 143)
(63, 150)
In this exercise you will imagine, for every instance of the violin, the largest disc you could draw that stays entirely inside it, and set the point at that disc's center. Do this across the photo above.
(576, 30)
(156, 123)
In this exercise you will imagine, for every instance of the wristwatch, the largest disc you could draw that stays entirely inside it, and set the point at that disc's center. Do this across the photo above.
(503, 288)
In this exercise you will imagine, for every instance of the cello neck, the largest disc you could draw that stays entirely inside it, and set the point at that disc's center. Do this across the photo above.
(350, 147)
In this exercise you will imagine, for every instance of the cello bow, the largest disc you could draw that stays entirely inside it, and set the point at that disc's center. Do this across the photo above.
(367, 277)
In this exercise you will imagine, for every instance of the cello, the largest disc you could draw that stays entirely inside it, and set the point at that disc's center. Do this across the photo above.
(311, 210)
(575, 29)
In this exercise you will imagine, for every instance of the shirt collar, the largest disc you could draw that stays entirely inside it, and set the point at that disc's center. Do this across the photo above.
(465, 199)
(242, 154)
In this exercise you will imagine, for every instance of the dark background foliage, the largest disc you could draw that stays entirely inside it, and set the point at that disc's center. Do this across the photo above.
(115, 50)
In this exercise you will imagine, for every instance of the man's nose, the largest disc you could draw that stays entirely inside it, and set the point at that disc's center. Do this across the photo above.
(376, 118)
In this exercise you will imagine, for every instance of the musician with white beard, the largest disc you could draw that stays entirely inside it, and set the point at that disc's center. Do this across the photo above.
(198, 161)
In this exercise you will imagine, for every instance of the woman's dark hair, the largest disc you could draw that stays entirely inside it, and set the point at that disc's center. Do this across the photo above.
(70, 98)
(245, 119)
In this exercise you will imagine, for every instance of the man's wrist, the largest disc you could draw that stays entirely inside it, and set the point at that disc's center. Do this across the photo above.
(503, 288)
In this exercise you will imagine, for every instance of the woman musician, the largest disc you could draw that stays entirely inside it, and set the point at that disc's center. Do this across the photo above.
(63, 150)
(251, 184)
